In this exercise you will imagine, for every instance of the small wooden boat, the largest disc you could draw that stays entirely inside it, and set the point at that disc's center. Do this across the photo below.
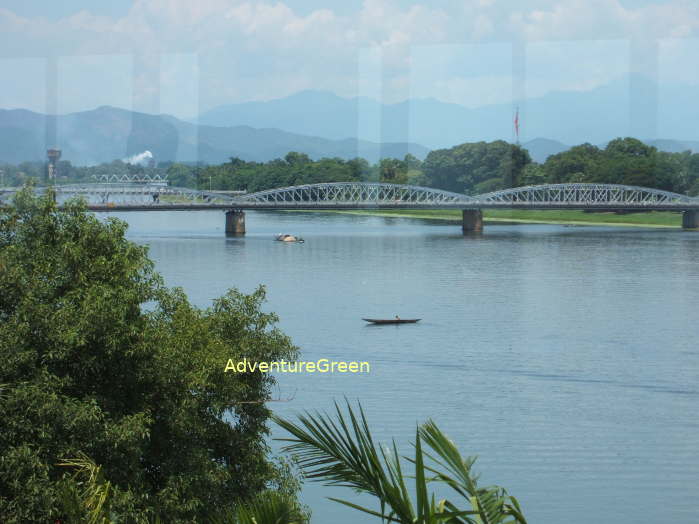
(289, 238)
(391, 320)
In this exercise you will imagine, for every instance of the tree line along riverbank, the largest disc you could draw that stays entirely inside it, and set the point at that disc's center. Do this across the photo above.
(469, 168)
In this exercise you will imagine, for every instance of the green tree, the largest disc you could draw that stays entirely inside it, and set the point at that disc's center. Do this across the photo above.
(533, 175)
(359, 168)
(578, 164)
(293, 158)
(412, 162)
(461, 168)
(393, 171)
(101, 360)
(628, 161)
(93, 499)
(181, 175)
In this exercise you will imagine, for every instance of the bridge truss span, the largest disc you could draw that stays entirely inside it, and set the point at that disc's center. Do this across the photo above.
(586, 196)
(354, 195)
(142, 194)
(140, 178)
(373, 195)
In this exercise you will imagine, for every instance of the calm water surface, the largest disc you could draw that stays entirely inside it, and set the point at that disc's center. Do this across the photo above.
(565, 357)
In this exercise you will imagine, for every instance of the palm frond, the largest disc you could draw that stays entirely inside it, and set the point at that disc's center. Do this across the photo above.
(268, 507)
(492, 504)
(342, 452)
(96, 493)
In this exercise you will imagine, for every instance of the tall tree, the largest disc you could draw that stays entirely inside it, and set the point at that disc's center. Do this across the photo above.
(462, 168)
(101, 360)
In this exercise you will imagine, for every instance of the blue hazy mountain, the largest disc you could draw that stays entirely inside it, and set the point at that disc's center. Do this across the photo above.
(322, 124)
(108, 133)
(542, 148)
(631, 105)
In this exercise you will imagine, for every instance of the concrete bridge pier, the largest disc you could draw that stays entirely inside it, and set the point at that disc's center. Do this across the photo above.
(472, 221)
(690, 220)
(235, 222)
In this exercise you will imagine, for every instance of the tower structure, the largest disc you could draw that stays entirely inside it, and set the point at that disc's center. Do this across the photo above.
(54, 156)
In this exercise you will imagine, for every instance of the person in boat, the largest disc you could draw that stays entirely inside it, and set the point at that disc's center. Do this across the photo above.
(397, 317)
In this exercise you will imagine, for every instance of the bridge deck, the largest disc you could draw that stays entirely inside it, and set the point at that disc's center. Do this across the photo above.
(105, 208)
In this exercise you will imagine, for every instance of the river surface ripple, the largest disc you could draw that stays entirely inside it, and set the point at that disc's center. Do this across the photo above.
(566, 358)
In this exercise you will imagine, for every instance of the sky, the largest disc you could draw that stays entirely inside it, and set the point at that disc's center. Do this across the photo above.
(183, 57)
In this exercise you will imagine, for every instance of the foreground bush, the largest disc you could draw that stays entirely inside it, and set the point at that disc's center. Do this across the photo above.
(101, 364)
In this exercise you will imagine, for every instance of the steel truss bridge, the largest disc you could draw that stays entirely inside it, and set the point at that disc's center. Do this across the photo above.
(360, 195)
(127, 178)
(369, 195)
(354, 195)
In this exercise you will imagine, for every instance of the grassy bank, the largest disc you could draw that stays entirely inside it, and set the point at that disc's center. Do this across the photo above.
(651, 219)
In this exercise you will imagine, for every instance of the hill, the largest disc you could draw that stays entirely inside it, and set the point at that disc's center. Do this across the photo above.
(631, 105)
(108, 133)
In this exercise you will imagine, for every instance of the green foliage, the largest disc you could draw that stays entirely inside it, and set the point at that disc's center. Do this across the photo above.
(575, 165)
(181, 175)
(392, 171)
(463, 167)
(20, 174)
(269, 507)
(101, 360)
(89, 495)
(492, 184)
(342, 452)
(471, 168)
(294, 169)
(624, 161)
(90, 498)
(532, 175)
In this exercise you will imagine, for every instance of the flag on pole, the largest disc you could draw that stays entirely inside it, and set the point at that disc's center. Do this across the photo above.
(517, 123)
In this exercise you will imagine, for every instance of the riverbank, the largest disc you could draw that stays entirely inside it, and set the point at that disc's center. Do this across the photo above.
(660, 219)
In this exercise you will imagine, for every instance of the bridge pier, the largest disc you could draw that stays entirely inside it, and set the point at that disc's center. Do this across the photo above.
(235, 222)
(472, 221)
(690, 220)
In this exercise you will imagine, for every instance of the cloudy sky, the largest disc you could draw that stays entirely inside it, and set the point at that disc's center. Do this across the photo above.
(183, 57)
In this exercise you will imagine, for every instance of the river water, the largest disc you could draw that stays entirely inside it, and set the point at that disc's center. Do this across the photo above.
(566, 358)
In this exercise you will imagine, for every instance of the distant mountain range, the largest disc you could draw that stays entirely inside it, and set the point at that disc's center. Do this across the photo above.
(108, 133)
(541, 148)
(631, 105)
(322, 124)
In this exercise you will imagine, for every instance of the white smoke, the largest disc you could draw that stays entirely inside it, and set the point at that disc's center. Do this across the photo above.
(141, 158)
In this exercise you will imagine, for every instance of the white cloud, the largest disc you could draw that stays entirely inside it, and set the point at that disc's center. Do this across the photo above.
(256, 50)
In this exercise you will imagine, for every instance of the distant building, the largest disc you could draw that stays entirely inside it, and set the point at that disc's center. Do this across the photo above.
(54, 156)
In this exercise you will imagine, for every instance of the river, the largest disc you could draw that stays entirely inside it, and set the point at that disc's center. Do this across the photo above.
(566, 358)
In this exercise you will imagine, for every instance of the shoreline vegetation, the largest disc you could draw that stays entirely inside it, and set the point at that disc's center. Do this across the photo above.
(652, 219)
